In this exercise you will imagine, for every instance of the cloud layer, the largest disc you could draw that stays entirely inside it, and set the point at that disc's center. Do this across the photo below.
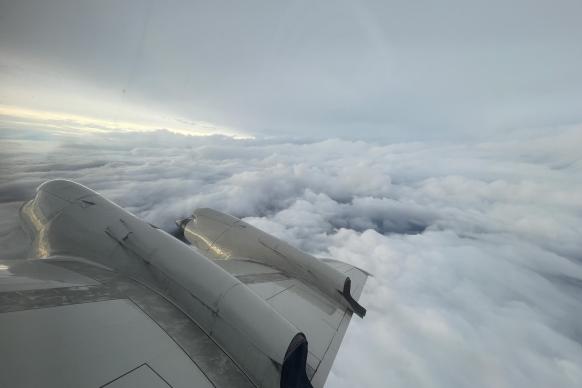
(475, 248)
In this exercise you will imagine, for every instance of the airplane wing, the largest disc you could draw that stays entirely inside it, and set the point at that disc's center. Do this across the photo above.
(296, 285)
(104, 299)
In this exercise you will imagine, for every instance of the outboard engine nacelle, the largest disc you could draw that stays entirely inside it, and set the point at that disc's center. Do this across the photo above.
(223, 236)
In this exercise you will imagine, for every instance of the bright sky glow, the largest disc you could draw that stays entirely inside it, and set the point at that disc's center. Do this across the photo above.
(70, 123)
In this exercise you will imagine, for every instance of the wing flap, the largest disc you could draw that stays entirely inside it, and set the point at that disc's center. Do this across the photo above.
(90, 344)
(101, 335)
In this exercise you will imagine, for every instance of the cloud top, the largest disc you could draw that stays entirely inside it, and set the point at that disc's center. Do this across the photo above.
(474, 248)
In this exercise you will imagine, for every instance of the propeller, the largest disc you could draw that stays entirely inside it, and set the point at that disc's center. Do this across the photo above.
(178, 232)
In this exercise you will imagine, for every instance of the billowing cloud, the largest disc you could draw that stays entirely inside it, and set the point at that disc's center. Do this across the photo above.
(475, 248)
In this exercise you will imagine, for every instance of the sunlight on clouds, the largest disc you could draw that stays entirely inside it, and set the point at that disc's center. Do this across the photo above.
(33, 96)
(61, 122)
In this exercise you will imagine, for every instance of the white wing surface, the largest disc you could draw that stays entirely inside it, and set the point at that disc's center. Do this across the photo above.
(92, 296)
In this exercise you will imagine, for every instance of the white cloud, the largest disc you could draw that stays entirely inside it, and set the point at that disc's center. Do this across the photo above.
(474, 248)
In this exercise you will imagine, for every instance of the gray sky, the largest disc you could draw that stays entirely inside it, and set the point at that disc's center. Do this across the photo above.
(397, 70)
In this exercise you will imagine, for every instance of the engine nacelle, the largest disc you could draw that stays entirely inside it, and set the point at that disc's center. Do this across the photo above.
(223, 236)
